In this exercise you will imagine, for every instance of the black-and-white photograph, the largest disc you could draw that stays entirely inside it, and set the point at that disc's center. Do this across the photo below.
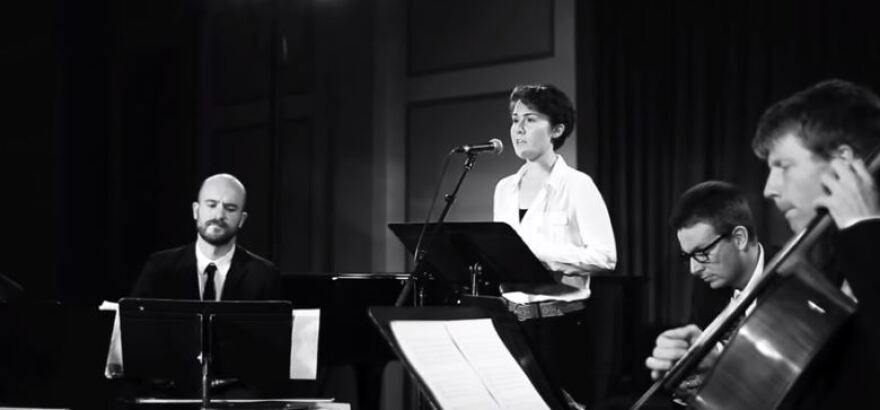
(458, 204)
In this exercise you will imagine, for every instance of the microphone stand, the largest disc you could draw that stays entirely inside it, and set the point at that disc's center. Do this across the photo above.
(417, 274)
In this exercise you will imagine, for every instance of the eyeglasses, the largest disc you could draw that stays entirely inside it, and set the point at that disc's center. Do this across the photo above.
(702, 255)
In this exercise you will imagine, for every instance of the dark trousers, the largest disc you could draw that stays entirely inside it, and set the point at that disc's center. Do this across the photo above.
(562, 347)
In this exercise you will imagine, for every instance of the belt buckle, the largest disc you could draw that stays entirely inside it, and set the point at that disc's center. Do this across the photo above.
(524, 311)
(531, 311)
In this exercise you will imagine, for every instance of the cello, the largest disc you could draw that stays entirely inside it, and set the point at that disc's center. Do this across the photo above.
(797, 313)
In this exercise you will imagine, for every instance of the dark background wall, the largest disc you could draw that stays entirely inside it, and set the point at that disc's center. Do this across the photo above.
(27, 144)
(336, 115)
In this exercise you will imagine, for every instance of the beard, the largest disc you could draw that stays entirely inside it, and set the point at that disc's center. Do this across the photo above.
(219, 239)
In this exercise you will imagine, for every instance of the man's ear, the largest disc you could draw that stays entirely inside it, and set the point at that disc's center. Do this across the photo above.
(196, 211)
(740, 237)
(244, 216)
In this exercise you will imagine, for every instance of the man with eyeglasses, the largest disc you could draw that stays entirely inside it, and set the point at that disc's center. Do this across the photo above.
(817, 144)
(716, 234)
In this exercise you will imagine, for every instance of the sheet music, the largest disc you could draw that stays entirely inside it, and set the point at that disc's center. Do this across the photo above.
(466, 365)
(304, 344)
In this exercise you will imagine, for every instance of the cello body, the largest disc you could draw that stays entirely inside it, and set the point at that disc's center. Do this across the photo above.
(797, 315)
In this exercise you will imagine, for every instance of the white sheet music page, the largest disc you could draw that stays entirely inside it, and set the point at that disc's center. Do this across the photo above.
(466, 365)
(500, 372)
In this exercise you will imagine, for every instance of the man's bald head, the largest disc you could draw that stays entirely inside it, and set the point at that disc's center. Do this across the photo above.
(219, 211)
(223, 181)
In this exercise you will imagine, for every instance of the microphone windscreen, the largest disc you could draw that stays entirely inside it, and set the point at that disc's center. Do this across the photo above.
(499, 146)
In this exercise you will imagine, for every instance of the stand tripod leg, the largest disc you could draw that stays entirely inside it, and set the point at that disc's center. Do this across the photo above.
(205, 357)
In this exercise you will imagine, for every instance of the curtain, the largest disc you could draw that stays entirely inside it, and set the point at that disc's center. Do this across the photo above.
(670, 93)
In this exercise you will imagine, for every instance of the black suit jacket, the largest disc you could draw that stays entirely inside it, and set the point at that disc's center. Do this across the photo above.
(846, 374)
(171, 274)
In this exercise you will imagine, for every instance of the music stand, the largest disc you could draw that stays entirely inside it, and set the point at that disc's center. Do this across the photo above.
(504, 323)
(187, 341)
(463, 251)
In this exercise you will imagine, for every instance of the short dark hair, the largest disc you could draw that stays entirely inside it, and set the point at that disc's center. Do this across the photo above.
(550, 101)
(719, 204)
(825, 116)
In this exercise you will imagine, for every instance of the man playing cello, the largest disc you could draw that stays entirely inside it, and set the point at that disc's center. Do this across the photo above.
(816, 143)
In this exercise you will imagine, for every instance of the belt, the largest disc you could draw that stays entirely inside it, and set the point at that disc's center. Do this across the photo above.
(539, 310)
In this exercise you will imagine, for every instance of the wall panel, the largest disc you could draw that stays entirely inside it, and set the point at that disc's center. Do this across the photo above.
(455, 34)
(437, 127)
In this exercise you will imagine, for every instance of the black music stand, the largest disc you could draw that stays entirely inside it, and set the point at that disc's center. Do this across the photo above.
(464, 251)
(505, 325)
(191, 341)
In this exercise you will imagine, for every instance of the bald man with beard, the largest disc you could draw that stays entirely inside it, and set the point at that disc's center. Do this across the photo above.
(213, 267)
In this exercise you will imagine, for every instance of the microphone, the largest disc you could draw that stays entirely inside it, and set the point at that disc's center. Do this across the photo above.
(494, 146)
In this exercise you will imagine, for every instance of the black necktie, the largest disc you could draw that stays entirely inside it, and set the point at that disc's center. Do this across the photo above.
(209, 294)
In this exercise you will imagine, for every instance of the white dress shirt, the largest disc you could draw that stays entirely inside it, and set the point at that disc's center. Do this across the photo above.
(753, 281)
(566, 226)
(223, 263)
